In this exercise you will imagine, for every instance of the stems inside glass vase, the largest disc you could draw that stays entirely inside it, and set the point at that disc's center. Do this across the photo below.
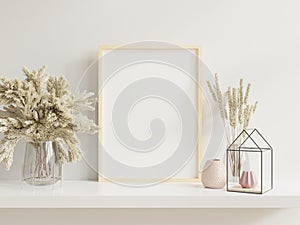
(41, 166)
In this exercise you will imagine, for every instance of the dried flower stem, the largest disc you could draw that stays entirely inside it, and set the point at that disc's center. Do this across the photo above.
(235, 102)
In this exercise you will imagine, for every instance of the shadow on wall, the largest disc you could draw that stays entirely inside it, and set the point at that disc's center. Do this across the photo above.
(151, 216)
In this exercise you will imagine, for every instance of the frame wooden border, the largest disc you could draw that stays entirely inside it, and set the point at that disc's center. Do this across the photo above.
(199, 103)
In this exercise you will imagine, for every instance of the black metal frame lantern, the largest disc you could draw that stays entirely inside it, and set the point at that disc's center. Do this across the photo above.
(249, 164)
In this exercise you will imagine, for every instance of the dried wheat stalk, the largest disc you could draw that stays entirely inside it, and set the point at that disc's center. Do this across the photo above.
(235, 102)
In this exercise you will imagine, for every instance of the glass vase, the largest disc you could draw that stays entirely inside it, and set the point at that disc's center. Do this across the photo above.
(235, 160)
(41, 164)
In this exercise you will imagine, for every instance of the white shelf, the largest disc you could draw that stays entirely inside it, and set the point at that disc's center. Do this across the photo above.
(90, 194)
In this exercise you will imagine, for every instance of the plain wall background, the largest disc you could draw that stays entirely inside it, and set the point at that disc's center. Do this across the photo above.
(258, 40)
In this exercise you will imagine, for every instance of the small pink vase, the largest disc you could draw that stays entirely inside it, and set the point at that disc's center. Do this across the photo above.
(213, 175)
(248, 179)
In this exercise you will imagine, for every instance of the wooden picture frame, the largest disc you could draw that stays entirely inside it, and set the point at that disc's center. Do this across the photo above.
(194, 50)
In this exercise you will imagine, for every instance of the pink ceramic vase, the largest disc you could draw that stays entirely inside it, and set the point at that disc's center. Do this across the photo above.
(213, 175)
(248, 179)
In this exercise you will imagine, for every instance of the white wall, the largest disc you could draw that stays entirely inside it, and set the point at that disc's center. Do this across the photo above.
(257, 39)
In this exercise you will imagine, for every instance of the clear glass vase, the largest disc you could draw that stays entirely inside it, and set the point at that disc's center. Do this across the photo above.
(41, 163)
(235, 161)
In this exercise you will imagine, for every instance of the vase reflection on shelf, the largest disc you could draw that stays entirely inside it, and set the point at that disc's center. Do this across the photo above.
(41, 164)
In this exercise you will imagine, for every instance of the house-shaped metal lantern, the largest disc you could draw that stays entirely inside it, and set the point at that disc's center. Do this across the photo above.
(249, 164)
